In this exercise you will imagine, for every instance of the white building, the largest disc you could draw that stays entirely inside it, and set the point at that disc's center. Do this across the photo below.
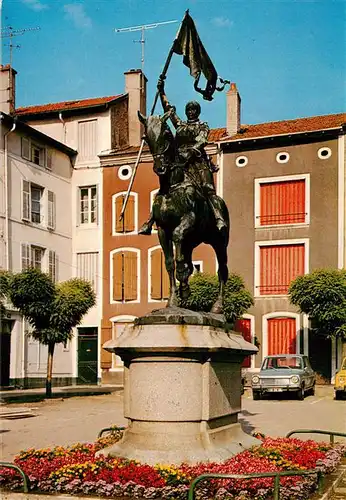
(51, 210)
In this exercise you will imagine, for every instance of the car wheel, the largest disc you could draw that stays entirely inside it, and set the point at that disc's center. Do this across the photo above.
(256, 395)
(337, 395)
(312, 391)
(300, 394)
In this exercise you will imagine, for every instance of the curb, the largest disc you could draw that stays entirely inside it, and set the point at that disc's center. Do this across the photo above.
(33, 396)
(333, 490)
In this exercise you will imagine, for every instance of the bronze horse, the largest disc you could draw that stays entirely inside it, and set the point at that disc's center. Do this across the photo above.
(182, 213)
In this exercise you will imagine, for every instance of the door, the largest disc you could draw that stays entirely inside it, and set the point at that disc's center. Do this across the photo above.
(5, 351)
(87, 355)
(282, 336)
(243, 326)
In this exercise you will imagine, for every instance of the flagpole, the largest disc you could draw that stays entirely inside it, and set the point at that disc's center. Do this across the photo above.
(162, 76)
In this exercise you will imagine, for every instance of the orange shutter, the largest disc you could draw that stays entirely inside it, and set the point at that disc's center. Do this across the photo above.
(118, 276)
(129, 216)
(155, 277)
(119, 224)
(130, 276)
(243, 326)
(165, 278)
(279, 266)
(282, 202)
(282, 336)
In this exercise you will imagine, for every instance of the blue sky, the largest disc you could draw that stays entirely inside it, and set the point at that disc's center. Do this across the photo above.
(288, 58)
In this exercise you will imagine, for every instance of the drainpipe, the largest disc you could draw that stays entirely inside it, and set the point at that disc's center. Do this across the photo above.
(7, 240)
(63, 127)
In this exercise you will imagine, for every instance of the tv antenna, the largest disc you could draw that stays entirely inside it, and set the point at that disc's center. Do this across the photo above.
(142, 29)
(9, 32)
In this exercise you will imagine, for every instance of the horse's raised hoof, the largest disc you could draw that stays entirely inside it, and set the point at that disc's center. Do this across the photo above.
(145, 229)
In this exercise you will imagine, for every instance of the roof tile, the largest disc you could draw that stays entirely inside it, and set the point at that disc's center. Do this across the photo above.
(65, 105)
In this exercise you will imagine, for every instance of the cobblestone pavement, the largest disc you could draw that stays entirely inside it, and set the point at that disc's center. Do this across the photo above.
(67, 421)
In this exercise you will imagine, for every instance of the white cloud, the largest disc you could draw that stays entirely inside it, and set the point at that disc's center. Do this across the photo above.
(35, 5)
(222, 22)
(76, 12)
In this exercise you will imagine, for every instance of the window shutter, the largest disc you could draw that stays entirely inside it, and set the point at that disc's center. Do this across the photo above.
(282, 336)
(155, 278)
(129, 216)
(117, 276)
(52, 265)
(130, 276)
(51, 210)
(119, 224)
(25, 256)
(49, 163)
(280, 265)
(26, 202)
(282, 202)
(26, 148)
(165, 278)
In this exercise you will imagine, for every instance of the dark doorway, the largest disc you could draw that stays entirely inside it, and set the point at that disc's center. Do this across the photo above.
(87, 355)
(320, 357)
(5, 351)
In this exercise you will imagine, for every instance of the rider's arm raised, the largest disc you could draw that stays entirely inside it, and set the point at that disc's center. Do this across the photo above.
(165, 103)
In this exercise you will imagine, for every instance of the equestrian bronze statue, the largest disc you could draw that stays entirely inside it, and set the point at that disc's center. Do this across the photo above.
(186, 210)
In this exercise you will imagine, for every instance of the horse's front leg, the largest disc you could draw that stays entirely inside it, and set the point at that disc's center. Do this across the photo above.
(180, 234)
(220, 247)
(167, 247)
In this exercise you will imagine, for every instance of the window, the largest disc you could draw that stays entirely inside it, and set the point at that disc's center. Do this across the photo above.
(31, 256)
(197, 266)
(32, 196)
(51, 210)
(276, 265)
(159, 279)
(125, 275)
(128, 224)
(282, 157)
(282, 201)
(87, 267)
(241, 161)
(243, 326)
(125, 172)
(324, 153)
(34, 152)
(88, 204)
(52, 265)
(87, 139)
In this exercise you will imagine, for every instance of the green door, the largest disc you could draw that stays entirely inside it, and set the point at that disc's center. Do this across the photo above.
(87, 355)
(5, 351)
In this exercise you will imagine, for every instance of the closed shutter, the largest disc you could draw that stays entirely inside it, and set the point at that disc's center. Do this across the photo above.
(87, 267)
(129, 216)
(119, 223)
(117, 276)
(280, 264)
(51, 210)
(282, 202)
(49, 153)
(52, 265)
(155, 278)
(130, 276)
(25, 256)
(26, 148)
(282, 336)
(26, 202)
(243, 326)
(87, 135)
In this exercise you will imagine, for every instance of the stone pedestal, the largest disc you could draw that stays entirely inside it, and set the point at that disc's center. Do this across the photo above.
(182, 388)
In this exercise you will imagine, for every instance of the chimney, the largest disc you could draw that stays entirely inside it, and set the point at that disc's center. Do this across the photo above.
(7, 89)
(233, 110)
(135, 87)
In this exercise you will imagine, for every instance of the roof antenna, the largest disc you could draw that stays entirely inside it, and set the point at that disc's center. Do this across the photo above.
(9, 32)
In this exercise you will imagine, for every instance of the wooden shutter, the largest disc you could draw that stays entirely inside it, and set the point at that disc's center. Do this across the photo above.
(282, 202)
(25, 256)
(87, 139)
(49, 154)
(155, 278)
(26, 148)
(243, 326)
(51, 210)
(26, 200)
(117, 276)
(280, 264)
(129, 216)
(130, 276)
(282, 336)
(119, 224)
(52, 264)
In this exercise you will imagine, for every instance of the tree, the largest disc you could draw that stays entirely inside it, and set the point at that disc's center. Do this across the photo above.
(322, 296)
(52, 310)
(204, 292)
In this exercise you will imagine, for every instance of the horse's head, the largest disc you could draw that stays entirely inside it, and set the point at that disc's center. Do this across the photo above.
(160, 140)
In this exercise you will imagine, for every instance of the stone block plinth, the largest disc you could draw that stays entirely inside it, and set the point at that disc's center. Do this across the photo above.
(182, 388)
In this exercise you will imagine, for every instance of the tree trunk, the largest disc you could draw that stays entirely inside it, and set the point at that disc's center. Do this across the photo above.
(49, 370)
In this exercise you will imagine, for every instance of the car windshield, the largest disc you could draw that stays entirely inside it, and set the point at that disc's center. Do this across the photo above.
(277, 363)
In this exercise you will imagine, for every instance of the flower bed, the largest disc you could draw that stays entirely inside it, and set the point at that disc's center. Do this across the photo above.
(76, 470)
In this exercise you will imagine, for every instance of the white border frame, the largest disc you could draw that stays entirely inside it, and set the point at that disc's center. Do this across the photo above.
(286, 160)
(114, 197)
(324, 148)
(153, 193)
(278, 314)
(125, 177)
(122, 318)
(111, 271)
(241, 157)
(200, 263)
(282, 178)
(259, 244)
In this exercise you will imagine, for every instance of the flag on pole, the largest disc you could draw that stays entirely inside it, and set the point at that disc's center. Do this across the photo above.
(189, 45)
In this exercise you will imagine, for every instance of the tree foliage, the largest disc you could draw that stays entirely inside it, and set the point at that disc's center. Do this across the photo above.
(204, 292)
(322, 296)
